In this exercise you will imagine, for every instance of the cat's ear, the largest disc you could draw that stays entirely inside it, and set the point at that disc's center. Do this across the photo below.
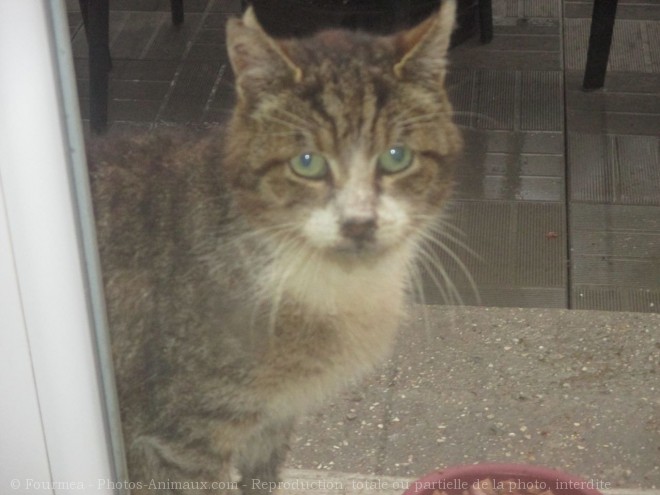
(256, 58)
(422, 50)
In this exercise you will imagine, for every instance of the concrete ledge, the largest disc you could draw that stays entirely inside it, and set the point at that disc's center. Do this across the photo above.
(574, 390)
(299, 481)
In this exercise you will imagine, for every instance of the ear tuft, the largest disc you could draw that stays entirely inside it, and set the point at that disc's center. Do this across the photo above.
(256, 58)
(423, 49)
(250, 19)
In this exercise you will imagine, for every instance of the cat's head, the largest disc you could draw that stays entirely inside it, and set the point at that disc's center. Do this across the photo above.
(342, 141)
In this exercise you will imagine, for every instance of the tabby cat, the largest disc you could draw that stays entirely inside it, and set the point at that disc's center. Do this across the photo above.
(249, 276)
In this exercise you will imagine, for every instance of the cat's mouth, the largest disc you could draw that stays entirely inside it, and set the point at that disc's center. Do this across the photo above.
(360, 247)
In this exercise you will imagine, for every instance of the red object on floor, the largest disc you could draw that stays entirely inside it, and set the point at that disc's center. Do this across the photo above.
(453, 480)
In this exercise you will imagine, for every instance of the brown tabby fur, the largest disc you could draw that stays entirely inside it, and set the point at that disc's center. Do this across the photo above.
(241, 294)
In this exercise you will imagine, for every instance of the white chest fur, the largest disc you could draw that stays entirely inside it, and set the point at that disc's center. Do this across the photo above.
(364, 303)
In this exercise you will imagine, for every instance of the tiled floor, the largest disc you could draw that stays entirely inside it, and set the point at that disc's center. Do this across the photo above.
(559, 193)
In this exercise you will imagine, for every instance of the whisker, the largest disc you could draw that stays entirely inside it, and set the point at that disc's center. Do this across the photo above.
(266, 232)
(294, 122)
(432, 265)
(315, 261)
(278, 292)
(440, 231)
(307, 123)
(439, 225)
(286, 123)
(445, 219)
(429, 119)
(265, 295)
(447, 250)
(415, 277)
(422, 117)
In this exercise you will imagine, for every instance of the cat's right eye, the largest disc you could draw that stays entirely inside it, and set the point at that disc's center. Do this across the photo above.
(395, 160)
(310, 166)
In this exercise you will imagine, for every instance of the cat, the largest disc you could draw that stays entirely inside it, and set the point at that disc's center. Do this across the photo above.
(251, 272)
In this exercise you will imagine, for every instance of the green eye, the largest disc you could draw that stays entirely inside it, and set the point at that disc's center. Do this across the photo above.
(395, 159)
(309, 165)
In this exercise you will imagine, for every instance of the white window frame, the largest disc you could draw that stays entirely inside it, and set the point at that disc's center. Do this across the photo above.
(59, 425)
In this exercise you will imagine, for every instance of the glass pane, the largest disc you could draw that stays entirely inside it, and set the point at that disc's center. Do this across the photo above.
(214, 229)
(272, 199)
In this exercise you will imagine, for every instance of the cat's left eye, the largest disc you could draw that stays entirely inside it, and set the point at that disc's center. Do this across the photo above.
(395, 159)
(310, 166)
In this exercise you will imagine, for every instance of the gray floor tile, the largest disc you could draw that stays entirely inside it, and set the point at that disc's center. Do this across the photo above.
(648, 9)
(134, 110)
(610, 298)
(527, 8)
(540, 101)
(617, 243)
(507, 100)
(500, 163)
(522, 42)
(615, 272)
(618, 82)
(651, 37)
(191, 92)
(206, 51)
(466, 56)
(137, 33)
(527, 29)
(171, 42)
(510, 187)
(614, 169)
(630, 50)
(514, 142)
(157, 5)
(610, 217)
(615, 257)
(144, 70)
(613, 122)
(540, 8)
(229, 6)
(515, 248)
(216, 21)
(138, 90)
(613, 102)
(576, 40)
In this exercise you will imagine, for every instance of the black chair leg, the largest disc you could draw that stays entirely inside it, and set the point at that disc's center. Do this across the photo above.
(600, 41)
(96, 19)
(486, 20)
(177, 12)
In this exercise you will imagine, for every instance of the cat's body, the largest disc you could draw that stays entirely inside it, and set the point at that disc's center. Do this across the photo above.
(197, 346)
(249, 277)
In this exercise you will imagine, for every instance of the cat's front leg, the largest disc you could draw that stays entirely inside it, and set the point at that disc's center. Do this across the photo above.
(260, 459)
(166, 466)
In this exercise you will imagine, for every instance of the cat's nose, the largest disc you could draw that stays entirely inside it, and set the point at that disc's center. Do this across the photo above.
(359, 229)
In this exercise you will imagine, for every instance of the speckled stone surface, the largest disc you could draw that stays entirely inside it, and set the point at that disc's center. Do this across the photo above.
(571, 390)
